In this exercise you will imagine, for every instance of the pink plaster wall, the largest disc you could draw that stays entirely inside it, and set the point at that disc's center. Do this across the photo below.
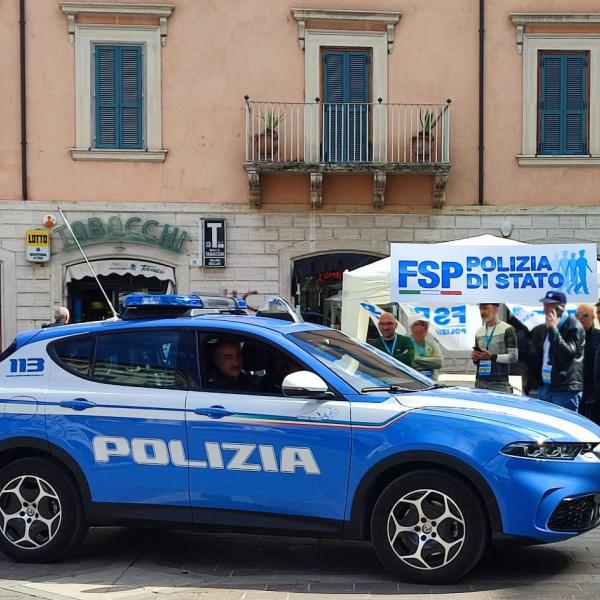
(219, 51)
(10, 126)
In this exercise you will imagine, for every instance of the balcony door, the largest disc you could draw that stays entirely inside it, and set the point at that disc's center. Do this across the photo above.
(346, 113)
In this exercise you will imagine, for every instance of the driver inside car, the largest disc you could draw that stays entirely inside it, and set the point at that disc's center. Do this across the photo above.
(228, 376)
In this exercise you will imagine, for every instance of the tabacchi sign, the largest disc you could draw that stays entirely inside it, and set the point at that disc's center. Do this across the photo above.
(474, 274)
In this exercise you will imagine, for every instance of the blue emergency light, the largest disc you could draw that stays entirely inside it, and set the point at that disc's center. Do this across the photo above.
(158, 300)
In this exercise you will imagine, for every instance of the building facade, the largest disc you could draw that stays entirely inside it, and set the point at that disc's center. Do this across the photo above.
(317, 135)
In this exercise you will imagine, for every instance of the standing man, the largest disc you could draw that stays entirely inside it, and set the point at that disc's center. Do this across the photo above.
(557, 365)
(61, 317)
(495, 348)
(397, 346)
(428, 354)
(585, 315)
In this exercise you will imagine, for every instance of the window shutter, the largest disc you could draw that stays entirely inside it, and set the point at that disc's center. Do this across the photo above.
(346, 94)
(131, 97)
(575, 84)
(119, 98)
(106, 97)
(563, 104)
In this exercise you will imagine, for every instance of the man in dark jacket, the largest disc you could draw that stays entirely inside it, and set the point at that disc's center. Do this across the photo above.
(557, 366)
(585, 315)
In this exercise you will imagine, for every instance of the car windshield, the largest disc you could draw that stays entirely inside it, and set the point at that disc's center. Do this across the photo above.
(358, 364)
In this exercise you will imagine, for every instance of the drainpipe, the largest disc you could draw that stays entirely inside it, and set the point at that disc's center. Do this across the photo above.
(24, 194)
(481, 56)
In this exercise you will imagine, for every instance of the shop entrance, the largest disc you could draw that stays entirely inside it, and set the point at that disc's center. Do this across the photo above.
(317, 285)
(118, 278)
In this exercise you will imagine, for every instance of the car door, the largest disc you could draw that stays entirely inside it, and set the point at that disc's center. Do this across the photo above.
(257, 450)
(116, 404)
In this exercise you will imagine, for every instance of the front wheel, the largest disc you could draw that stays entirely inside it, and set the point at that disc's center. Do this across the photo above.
(41, 513)
(429, 527)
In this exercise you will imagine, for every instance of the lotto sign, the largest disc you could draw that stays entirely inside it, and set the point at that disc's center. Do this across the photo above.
(38, 245)
(476, 274)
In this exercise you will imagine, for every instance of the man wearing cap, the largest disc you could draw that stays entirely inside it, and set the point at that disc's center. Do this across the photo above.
(495, 348)
(428, 354)
(397, 346)
(557, 367)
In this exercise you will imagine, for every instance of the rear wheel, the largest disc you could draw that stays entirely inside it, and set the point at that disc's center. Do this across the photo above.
(41, 513)
(429, 527)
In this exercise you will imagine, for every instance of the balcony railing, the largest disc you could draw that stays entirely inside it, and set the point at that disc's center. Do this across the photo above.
(347, 134)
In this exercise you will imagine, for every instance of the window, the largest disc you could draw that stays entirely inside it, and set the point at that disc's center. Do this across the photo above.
(359, 365)
(245, 365)
(75, 354)
(117, 79)
(141, 358)
(118, 97)
(563, 103)
(346, 83)
(561, 125)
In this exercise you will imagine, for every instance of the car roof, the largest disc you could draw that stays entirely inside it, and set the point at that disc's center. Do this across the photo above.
(240, 323)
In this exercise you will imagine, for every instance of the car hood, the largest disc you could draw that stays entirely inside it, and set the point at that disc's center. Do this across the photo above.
(547, 420)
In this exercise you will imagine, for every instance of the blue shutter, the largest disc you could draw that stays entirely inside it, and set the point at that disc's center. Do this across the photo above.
(563, 104)
(346, 94)
(119, 109)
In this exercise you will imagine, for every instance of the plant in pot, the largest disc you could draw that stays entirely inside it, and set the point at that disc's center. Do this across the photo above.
(267, 142)
(424, 141)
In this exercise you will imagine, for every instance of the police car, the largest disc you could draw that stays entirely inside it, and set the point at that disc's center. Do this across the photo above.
(241, 422)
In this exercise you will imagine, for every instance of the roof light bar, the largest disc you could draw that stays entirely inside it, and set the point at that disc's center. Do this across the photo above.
(158, 300)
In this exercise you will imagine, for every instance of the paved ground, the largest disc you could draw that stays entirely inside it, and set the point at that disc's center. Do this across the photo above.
(143, 564)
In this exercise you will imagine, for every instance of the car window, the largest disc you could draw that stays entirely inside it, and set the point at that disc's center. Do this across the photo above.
(141, 358)
(245, 365)
(357, 364)
(75, 354)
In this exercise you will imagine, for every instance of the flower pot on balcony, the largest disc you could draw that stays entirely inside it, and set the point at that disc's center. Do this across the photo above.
(422, 145)
(266, 145)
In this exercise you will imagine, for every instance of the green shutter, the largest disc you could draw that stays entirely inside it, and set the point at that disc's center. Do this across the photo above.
(119, 97)
(563, 104)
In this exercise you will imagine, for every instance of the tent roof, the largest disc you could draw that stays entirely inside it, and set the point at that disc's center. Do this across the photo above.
(382, 267)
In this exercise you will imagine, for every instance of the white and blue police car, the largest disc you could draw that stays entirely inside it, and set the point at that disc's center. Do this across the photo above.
(240, 422)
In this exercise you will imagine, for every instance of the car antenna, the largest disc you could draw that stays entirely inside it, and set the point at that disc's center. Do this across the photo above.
(110, 305)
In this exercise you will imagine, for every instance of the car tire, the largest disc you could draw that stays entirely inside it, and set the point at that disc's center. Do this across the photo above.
(429, 527)
(41, 512)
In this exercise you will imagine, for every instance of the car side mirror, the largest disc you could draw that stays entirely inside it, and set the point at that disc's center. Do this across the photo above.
(304, 384)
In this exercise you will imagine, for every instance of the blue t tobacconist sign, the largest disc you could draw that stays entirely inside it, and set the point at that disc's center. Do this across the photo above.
(523, 273)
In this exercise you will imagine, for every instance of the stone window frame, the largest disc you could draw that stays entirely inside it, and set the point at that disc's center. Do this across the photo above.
(152, 38)
(529, 45)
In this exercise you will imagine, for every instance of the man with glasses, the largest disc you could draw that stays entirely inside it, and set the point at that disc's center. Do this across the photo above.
(397, 346)
(585, 315)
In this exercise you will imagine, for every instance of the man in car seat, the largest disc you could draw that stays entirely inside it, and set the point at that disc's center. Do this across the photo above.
(227, 357)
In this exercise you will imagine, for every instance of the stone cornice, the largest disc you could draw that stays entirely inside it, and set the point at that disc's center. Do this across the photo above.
(389, 19)
(73, 9)
(521, 20)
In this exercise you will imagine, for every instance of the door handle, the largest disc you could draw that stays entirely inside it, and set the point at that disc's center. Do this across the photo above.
(77, 404)
(214, 412)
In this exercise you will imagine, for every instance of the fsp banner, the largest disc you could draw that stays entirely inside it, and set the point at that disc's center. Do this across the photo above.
(475, 274)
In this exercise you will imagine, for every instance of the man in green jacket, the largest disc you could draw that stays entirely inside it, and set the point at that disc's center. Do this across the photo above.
(397, 346)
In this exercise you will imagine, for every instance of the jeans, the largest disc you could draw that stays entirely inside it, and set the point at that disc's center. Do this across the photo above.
(568, 400)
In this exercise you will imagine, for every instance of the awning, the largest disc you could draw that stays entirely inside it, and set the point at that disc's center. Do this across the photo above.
(120, 267)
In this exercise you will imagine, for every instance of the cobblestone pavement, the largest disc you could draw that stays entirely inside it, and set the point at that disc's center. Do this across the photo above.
(167, 565)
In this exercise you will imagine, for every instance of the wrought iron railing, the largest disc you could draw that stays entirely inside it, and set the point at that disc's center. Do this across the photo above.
(347, 133)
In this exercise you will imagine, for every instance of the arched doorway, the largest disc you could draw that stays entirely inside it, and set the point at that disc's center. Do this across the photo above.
(317, 284)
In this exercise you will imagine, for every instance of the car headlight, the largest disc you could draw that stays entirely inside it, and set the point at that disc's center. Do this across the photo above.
(551, 450)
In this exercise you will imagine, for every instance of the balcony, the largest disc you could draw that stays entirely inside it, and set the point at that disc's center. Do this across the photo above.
(377, 138)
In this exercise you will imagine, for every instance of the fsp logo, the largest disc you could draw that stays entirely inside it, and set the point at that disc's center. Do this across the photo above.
(232, 456)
